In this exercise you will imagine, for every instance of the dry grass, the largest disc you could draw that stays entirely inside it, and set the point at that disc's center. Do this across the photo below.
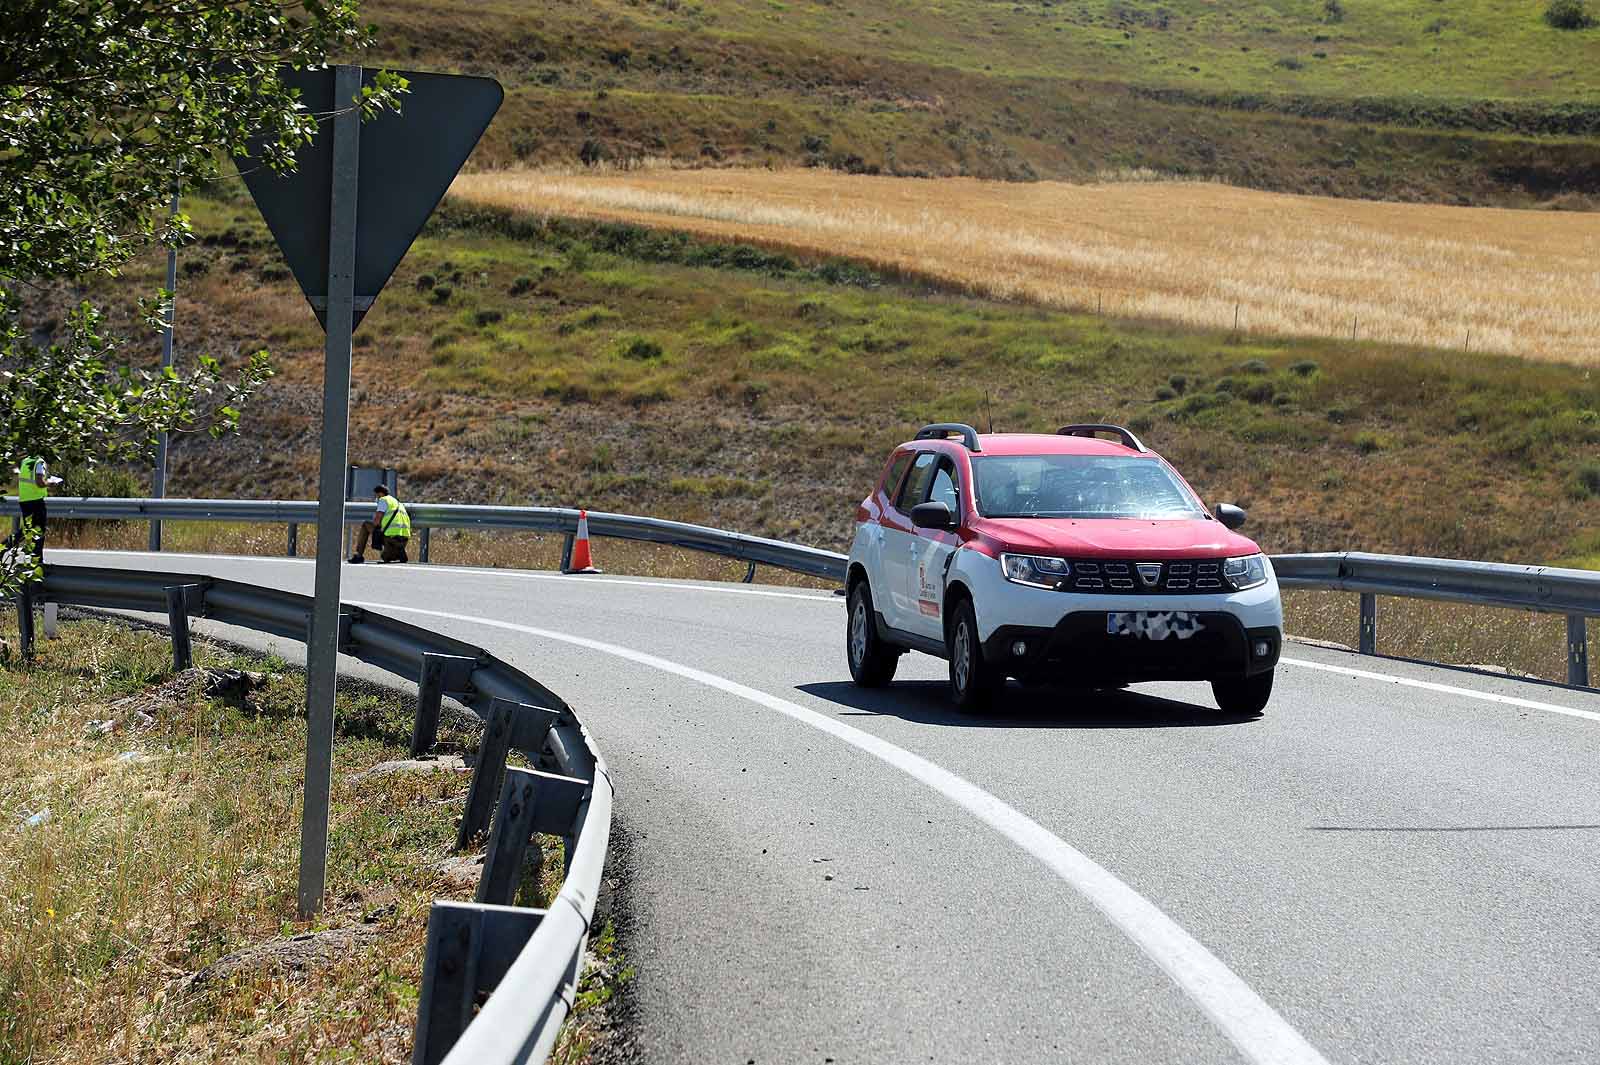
(172, 842)
(1518, 641)
(1515, 282)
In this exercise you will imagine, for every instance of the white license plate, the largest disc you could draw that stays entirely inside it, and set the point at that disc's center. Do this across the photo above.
(1153, 625)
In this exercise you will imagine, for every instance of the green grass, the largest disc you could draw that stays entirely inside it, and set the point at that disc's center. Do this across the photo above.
(1478, 101)
(171, 844)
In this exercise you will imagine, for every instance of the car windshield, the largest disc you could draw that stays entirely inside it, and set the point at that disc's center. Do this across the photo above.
(1079, 486)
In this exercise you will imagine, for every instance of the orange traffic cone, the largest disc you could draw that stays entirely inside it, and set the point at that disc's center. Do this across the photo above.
(581, 562)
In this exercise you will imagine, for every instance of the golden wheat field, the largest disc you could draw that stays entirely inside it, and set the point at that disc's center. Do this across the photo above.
(1518, 282)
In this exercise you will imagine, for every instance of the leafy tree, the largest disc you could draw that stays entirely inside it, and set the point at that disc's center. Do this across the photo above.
(107, 106)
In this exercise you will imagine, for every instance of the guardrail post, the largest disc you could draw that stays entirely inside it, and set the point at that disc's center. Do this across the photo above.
(25, 622)
(566, 551)
(422, 545)
(489, 771)
(440, 673)
(1369, 624)
(178, 623)
(294, 539)
(470, 948)
(530, 802)
(52, 614)
(1577, 651)
(750, 574)
(508, 725)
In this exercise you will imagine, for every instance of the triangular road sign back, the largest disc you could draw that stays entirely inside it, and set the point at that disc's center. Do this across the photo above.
(407, 162)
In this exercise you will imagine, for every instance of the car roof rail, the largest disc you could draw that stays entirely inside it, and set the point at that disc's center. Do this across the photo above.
(942, 430)
(1092, 428)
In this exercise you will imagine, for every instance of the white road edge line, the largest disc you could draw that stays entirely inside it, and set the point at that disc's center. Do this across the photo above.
(1242, 1015)
(1447, 689)
(677, 583)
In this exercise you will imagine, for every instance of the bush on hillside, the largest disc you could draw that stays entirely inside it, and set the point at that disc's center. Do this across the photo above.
(1569, 14)
(1587, 481)
(1332, 11)
(640, 349)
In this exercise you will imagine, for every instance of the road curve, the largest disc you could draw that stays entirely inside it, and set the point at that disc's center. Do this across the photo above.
(1396, 863)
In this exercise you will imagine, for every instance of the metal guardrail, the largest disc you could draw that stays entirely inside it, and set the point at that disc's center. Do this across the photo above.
(1573, 593)
(527, 961)
(754, 550)
(1545, 589)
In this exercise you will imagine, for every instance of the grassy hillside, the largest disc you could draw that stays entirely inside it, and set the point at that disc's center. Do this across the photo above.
(1475, 101)
(567, 363)
(1199, 253)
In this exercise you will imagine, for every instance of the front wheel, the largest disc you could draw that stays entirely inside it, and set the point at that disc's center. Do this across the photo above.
(973, 681)
(1243, 696)
(872, 662)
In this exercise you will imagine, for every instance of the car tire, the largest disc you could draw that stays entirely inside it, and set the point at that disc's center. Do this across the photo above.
(973, 681)
(1243, 696)
(872, 662)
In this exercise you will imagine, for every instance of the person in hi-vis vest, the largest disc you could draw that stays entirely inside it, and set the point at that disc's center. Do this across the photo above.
(389, 529)
(33, 488)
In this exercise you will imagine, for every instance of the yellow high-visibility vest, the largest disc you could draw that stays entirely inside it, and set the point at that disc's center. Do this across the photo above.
(27, 491)
(396, 522)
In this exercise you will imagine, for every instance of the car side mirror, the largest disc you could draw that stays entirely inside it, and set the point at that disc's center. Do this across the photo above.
(932, 516)
(1231, 516)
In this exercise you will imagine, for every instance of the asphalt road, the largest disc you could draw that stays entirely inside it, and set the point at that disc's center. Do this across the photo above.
(1393, 864)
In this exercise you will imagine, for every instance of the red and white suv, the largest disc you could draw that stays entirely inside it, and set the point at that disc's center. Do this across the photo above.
(1059, 557)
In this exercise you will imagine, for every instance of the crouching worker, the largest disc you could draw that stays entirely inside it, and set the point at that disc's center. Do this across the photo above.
(389, 530)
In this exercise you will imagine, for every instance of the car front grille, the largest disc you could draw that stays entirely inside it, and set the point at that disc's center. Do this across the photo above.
(1175, 578)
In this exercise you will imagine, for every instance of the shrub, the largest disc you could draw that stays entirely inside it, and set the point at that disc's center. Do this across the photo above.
(1254, 366)
(591, 152)
(487, 317)
(1338, 415)
(1178, 382)
(1367, 442)
(1332, 11)
(1165, 394)
(1225, 384)
(1587, 479)
(442, 293)
(640, 349)
(1569, 15)
(521, 285)
(1260, 392)
(1290, 62)
(425, 282)
(1304, 368)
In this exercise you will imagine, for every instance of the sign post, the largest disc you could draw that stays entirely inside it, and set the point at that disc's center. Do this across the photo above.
(158, 477)
(322, 650)
(344, 218)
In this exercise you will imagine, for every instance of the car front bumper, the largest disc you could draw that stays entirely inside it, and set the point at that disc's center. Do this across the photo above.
(1078, 649)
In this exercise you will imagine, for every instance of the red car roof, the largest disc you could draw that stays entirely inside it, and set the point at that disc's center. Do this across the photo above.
(1050, 444)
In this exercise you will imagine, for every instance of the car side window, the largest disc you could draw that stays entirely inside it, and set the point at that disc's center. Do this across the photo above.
(944, 488)
(897, 470)
(916, 486)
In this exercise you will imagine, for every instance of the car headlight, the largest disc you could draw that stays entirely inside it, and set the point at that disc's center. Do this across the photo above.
(1038, 571)
(1246, 572)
